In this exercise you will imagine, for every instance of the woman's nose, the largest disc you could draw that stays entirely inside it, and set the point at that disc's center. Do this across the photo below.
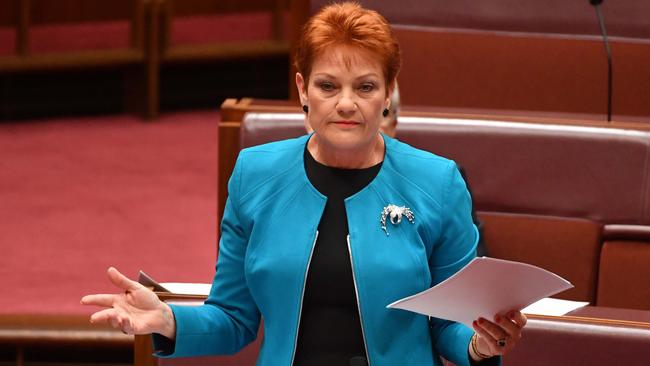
(346, 104)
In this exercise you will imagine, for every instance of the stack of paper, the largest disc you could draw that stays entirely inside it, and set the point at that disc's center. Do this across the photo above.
(484, 288)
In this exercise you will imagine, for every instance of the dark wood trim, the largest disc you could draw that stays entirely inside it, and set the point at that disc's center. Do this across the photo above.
(22, 27)
(137, 32)
(229, 50)
(591, 320)
(228, 151)
(626, 232)
(71, 60)
(53, 329)
(277, 20)
(165, 26)
(143, 351)
(151, 102)
(299, 15)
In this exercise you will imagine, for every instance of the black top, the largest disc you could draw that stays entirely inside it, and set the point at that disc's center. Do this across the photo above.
(330, 331)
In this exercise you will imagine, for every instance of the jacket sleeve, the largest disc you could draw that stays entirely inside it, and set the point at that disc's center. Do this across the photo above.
(455, 248)
(229, 318)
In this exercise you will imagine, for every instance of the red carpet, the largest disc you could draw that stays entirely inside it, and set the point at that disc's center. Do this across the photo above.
(79, 195)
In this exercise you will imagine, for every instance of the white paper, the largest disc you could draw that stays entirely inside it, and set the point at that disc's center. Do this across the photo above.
(553, 307)
(484, 288)
(178, 288)
(187, 288)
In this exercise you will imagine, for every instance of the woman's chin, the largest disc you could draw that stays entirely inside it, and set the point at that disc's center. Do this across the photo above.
(346, 140)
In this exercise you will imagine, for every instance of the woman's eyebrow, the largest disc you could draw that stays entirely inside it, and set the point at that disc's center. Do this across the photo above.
(370, 74)
(324, 74)
(330, 76)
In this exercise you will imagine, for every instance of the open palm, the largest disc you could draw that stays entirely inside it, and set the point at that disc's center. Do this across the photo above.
(135, 310)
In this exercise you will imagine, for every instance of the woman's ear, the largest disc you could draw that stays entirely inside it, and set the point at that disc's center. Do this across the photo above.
(302, 88)
(391, 87)
(389, 93)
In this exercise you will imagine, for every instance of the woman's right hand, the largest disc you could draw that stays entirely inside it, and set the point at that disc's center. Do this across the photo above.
(136, 310)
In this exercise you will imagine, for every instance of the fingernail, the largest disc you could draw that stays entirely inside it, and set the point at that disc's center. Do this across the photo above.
(497, 318)
(480, 320)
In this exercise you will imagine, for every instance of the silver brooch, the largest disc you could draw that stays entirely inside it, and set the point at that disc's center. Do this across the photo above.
(395, 213)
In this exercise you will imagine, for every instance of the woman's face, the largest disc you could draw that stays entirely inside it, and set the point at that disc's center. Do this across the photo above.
(346, 95)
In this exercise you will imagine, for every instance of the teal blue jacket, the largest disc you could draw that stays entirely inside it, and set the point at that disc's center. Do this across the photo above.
(269, 229)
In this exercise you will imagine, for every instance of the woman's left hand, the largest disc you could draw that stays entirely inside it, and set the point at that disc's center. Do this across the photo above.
(499, 336)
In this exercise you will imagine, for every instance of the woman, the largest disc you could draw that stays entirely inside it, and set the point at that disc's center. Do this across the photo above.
(307, 239)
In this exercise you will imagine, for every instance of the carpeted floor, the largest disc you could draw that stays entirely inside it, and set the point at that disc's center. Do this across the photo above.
(79, 195)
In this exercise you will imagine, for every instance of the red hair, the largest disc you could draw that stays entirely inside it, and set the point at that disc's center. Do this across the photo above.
(348, 24)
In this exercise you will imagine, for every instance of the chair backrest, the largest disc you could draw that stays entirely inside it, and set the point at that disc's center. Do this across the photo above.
(563, 342)
(600, 174)
(596, 173)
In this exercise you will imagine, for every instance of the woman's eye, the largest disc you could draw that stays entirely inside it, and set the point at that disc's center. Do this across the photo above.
(367, 87)
(326, 86)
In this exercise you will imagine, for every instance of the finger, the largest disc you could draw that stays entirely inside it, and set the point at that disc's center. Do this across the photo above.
(493, 329)
(115, 323)
(128, 325)
(120, 319)
(518, 317)
(121, 280)
(103, 316)
(487, 339)
(127, 328)
(483, 333)
(98, 300)
(508, 325)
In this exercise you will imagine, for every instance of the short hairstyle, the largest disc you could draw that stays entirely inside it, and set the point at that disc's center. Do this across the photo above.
(348, 24)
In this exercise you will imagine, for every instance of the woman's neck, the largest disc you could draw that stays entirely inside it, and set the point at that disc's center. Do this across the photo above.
(358, 158)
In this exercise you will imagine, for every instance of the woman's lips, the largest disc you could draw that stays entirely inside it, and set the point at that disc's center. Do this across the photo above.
(346, 124)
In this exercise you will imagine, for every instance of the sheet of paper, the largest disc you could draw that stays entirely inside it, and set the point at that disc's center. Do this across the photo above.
(187, 288)
(553, 307)
(179, 288)
(483, 288)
